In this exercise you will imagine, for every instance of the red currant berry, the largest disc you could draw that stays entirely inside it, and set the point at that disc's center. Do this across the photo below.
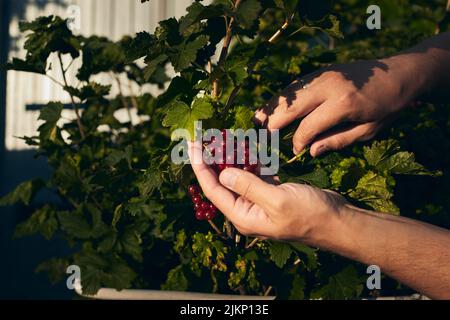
(209, 215)
(194, 190)
(204, 206)
(197, 199)
(200, 215)
(212, 208)
(251, 168)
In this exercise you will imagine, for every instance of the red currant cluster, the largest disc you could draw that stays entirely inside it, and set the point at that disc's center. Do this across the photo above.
(230, 160)
(205, 210)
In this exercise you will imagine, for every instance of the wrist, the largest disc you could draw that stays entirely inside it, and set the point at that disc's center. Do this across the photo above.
(413, 73)
(340, 233)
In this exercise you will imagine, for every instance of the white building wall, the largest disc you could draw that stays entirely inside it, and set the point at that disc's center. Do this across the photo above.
(110, 18)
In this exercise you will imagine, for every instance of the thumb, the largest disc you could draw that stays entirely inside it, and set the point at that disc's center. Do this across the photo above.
(249, 186)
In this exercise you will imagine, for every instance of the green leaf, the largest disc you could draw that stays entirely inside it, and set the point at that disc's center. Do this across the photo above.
(198, 12)
(75, 224)
(318, 178)
(310, 253)
(186, 53)
(42, 221)
(27, 66)
(288, 6)
(248, 12)
(208, 252)
(51, 113)
(243, 118)
(130, 242)
(328, 24)
(346, 284)
(181, 116)
(23, 193)
(380, 151)
(375, 191)
(118, 155)
(117, 214)
(280, 252)
(298, 288)
(153, 64)
(385, 156)
(347, 173)
(176, 280)
(55, 269)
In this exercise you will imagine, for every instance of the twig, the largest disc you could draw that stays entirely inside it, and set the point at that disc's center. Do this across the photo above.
(252, 244)
(266, 293)
(225, 47)
(298, 156)
(213, 225)
(124, 102)
(277, 34)
(74, 105)
(133, 99)
(272, 39)
(54, 80)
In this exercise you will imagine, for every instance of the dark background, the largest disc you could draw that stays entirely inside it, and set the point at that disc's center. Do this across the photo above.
(19, 258)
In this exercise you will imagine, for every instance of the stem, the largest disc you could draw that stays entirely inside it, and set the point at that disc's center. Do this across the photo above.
(124, 102)
(272, 39)
(252, 244)
(74, 105)
(213, 225)
(266, 293)
(225, 47)
(54, 80)
(301, 154)
(133, 99)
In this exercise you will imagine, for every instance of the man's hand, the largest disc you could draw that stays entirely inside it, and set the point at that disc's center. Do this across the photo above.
(345, 103)
(291, 212)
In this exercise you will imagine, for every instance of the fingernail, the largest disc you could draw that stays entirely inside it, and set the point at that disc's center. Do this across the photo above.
(295, 151)
(228, 178)
(321, 149)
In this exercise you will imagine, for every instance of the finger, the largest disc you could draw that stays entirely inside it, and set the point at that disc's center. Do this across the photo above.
(220, 196)
(294, 102)
(323, 118)
(340, 139)
(249, 186)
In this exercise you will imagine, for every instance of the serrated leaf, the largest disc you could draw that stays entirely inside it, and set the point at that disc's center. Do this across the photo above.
(318, 178)
(346, 284)
(176, 280)
(297, 291)
(243, 118)
(23, 193)
(181, 116)
(310, 253)
(186, 53)
(385, 156)
(248, 12)
(280, 252)
(75, 224)
(376, 191)
(42, 221)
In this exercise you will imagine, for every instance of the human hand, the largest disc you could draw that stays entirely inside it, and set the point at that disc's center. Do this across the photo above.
(343, 104)
(290, 212)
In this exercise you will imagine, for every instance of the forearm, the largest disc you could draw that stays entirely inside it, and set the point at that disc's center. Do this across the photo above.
(424, 69)
(414, 253)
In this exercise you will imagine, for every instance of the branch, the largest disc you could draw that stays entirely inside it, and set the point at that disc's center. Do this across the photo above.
(74, 105)
(225, 47)
(272, 39)
(124, 101)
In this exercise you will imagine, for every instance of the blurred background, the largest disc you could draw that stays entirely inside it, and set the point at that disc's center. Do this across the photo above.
(22, 95)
